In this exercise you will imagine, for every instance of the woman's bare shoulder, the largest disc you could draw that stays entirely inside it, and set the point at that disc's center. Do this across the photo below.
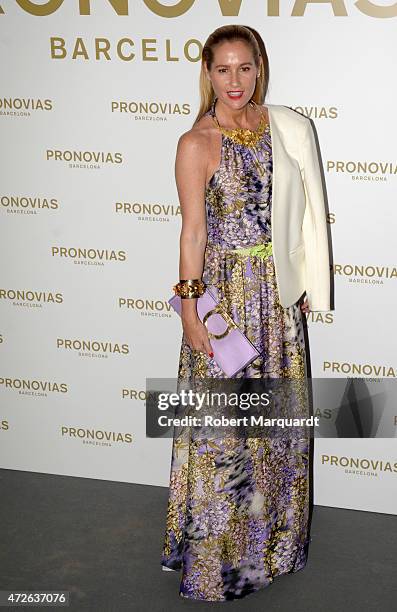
(197, 138)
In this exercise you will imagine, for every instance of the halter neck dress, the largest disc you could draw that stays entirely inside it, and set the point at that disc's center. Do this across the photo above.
(231, 540)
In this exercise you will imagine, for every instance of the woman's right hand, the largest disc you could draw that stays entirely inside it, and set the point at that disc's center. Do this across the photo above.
(196, 335)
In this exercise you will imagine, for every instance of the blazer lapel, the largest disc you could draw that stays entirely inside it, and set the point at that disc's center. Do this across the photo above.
(275, 155)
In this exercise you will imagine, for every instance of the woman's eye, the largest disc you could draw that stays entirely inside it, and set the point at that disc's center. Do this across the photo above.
(244, 68)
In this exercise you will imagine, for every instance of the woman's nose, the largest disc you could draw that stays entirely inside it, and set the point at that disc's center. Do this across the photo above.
(234, 80)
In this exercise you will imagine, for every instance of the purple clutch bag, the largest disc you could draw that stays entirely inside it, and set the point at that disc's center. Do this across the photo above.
(232, 349)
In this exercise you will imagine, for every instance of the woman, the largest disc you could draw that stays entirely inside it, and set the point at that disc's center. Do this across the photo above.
(254, 227)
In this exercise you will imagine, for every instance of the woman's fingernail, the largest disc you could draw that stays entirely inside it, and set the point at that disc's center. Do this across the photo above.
(211, 354)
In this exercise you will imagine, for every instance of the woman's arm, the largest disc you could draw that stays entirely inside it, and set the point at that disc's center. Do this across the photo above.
(190, 174)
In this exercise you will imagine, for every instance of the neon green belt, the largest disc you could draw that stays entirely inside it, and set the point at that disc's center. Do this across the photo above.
(259, 250)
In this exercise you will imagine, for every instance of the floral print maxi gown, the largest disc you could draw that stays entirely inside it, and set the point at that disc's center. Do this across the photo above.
(238, 513)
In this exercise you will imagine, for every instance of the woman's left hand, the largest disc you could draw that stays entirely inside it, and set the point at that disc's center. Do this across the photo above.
(305, 306)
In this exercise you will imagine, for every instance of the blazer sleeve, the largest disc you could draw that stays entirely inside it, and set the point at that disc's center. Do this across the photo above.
(314, 226)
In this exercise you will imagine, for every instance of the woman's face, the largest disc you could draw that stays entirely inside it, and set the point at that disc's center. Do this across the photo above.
(233, 73)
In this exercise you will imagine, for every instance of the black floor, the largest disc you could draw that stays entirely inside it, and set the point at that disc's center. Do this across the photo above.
(102, 541)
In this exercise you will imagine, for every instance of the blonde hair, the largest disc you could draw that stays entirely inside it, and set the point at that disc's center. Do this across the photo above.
(231, 33)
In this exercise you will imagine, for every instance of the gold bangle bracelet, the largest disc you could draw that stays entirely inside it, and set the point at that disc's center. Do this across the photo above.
(190, 288)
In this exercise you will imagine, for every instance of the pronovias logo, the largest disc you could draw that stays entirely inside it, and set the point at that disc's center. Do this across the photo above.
(225, 8)
(359, 465)
(146, 307)
(31, 298)
(18, 107)
(88, 256)
(96, 437)
(32, 387)
(363, 170)
(151, 212)
(365, 273)
(92, 348)
(150, 111)
(359, 369)
(89, 160)
(26, 205)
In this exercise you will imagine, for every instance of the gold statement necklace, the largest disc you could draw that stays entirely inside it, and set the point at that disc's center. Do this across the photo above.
(244, 136)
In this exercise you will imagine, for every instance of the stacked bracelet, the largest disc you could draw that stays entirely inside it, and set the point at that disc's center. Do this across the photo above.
(190, 288)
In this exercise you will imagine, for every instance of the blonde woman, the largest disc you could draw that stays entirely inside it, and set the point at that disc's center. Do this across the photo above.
(254, 227)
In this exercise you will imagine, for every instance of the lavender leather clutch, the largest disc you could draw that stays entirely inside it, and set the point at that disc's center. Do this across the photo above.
(232, 349)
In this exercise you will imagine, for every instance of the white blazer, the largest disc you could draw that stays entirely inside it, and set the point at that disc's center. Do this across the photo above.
(298, 217)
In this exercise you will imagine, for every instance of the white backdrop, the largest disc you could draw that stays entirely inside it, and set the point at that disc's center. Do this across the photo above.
(88, 141)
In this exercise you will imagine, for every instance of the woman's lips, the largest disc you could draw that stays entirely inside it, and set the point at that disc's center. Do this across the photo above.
(235, 95)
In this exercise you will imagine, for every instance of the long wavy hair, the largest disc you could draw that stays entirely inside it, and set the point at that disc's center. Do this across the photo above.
(231, 33)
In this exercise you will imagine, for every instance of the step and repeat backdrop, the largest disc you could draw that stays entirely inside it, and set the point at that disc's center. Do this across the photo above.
(94, 96)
